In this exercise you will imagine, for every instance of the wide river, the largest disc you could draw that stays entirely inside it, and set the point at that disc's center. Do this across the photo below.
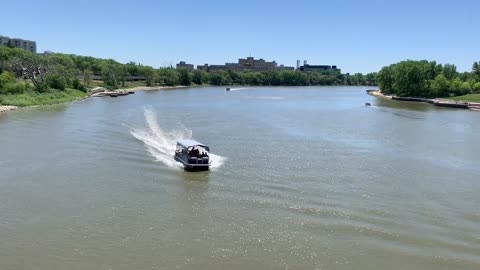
(302, 178)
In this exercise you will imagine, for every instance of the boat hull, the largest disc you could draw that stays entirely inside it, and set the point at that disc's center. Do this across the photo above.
(196, 168)
(193, 167)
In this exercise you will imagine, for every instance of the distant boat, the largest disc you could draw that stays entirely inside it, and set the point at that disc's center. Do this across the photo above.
(227, 89)
(368, 104)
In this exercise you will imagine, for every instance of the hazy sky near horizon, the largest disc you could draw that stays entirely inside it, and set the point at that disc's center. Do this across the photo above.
(357, 36)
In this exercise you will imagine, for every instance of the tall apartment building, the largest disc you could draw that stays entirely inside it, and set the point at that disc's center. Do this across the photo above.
(19, 43)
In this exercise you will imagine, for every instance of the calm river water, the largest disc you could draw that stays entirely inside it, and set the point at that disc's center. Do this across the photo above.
(303, 178)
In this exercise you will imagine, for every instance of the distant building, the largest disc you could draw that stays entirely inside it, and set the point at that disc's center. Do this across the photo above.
(182, 64)
(308, 68)
(258, 65)
(244, 64)
(282, 67)
(4, 41)
(203, 67)
(19, 43)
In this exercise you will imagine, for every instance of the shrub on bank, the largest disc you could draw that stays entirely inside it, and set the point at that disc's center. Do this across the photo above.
(476, 87)
(56, 82)
(9, 85)
(6, 77)
(31, 97)
(77, 85)
(12, 88)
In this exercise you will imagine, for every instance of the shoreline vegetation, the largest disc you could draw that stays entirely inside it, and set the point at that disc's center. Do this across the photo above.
(460, 102)
(424, 81)
(427, 79)
(28, 79)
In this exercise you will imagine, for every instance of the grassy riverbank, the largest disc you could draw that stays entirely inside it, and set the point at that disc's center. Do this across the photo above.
(469, 98)
(32, 98)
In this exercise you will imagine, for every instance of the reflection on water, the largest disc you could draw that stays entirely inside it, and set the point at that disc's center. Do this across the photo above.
(313, 180)
(406, 105)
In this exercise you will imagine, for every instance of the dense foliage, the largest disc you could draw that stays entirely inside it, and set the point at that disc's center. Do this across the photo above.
(44, 72)
(281, 77)
(22, 72)
(427, 79)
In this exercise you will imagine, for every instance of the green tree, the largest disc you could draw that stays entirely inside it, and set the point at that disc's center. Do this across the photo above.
(84, 66)
(185, 77)
(450, 71)
(370, 78)
(200, 77)
(122, 73)
(56, 81)
(168, 76)
(149, 73)
(459, 88)
(294, 78)
(220, 77)
(133, 69)
(440, 87)
(110, 74)
(411, 78)
(476, 70)
(384, 80)
(6, 77)
(236, 77)
(476, 87)
(33, 67)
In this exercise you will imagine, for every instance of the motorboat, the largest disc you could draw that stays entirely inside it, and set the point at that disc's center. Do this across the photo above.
(227, 89)
(368, 104)
(193, 155)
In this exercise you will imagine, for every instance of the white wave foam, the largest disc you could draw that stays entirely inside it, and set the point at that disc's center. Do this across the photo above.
(161, 143)
(237, 89)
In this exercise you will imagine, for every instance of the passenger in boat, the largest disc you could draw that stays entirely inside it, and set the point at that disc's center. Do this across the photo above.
(194, 152)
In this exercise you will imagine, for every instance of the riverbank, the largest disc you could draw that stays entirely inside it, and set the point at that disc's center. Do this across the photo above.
(153, 88)
(7, 108)
(104, 92)
(377, 93)
(472, 98)
(441, 102)
(31, 98)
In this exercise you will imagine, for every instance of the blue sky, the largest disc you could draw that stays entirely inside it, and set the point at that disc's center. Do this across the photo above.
(357, 36)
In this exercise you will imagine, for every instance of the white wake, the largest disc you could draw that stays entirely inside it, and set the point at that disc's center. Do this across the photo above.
(238, 89)
(161, 143)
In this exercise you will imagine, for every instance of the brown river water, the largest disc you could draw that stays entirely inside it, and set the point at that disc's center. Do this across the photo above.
(302, 178)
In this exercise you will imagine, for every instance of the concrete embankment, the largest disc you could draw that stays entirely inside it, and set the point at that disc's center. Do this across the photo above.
(414, 99)
(377, 93)
(436, 102)
(103, 92)
(7, 108)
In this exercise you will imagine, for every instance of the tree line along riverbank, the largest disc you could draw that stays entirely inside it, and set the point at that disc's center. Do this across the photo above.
(28, 79)
(428, 79)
